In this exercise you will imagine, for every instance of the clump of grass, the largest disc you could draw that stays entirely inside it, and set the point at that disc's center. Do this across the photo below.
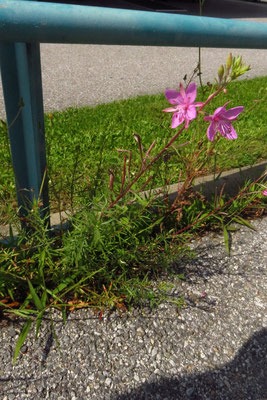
(112, 262)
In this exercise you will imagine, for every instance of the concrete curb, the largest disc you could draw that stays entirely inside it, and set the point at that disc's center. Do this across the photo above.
(232, 181)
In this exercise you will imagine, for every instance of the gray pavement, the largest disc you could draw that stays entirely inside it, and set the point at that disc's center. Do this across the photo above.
(81, 75)
(214, 348)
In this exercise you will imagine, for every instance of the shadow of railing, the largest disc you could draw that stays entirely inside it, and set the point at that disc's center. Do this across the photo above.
(245, 377)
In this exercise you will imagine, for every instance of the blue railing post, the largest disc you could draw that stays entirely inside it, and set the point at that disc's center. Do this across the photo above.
(22, 86)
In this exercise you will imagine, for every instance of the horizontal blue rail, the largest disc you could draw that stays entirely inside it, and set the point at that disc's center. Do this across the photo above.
(23, 21)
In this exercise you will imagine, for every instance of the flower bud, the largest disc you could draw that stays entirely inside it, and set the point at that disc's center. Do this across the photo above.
(233, 75)
(221, 72)
(244, 69)
(229, 61)
(238, 61)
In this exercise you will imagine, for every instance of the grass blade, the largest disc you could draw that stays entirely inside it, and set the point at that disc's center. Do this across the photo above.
(22, 313)
(38, 322)
(243, 221)
(44, 298)
(64, 284)
(35, 297)
(22, 337)
(231, 228)
(226, 239)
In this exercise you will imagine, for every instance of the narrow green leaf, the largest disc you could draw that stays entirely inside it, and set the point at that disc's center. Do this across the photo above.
(53, 295)
(22, 337)
(64, 284)
(243, 221)
(232, 229)
(157, 222)
(38, 322)
(42, 258)
(35, 297)
(3, 305)
(26, 302)
(81, 281)
(23, 313)
(96, 237)
(44, 298)
(42, 263)
(226, 239)
(11, 233)
(11, 294)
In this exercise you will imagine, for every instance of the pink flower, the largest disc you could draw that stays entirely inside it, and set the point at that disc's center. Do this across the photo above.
(221, 121)
(264, 192)
(185, 108)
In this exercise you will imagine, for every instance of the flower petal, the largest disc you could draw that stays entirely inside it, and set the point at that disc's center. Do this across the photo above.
(232, 134)
(227, 130)
(191, 93)
(224, 127)
(171, 109)
(186, 125)
(220, 110)
(174, 97)
(211, 132)
(191, 112)
(207, 118)
(182, 91)
(177, 119)
(217, 113)
(233, 113)
(264, 192)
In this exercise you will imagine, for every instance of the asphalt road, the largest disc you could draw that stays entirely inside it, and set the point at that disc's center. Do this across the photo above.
(81, 75)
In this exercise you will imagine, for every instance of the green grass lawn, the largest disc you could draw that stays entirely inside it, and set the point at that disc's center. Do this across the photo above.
(82, 142)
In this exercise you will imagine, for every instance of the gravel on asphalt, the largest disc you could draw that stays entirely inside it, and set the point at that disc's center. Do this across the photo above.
(215, 348)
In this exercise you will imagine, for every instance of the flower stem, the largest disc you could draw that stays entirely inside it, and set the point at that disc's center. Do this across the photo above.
(144, 169)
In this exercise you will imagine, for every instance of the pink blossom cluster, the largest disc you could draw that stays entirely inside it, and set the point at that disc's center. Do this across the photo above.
(184, 110)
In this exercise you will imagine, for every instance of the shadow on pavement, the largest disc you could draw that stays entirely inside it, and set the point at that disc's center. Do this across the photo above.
(243, 378)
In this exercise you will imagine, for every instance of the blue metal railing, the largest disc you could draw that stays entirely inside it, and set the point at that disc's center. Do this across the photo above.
(25, 24)
(28, 21)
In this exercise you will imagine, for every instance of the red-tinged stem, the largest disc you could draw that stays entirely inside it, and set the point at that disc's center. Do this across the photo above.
(209, 99)
(129, 167)
(138, 139)
(123, 173)
(186, 184)
(144, 169)
(149, 150)
(189, 179)
(146, 183)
